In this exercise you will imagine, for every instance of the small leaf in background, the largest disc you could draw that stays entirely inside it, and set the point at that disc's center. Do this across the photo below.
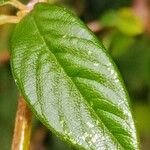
(70, 82)
(129, 23)
(124, 20)
(3, 2)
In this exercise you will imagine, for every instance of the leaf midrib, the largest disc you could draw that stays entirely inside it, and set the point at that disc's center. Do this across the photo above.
(110, 133)
(65, 72)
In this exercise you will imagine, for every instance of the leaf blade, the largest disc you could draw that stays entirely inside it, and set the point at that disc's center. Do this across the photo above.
(69, 80)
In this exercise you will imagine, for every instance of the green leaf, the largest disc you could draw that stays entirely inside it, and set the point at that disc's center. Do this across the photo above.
(109, 19)
(3, 2)
(124, 20)
(70, 82)
(129, 23)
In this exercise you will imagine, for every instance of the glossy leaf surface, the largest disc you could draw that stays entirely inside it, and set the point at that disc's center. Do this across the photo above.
(70, 82)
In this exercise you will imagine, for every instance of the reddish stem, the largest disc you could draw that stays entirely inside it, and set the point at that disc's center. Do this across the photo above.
(22, 131)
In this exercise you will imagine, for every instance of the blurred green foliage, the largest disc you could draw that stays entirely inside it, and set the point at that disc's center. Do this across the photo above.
(128, 44)
(8, 102)
(124, 20)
